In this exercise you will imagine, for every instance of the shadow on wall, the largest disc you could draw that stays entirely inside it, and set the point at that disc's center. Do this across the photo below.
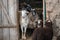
(55, 28)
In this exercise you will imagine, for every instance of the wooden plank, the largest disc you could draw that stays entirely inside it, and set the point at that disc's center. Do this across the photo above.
(13, 34)
(5, 14)
(13, 11)
(4, 5)
(0, 15)
(36, 2)
(8, 26)
(39, 9)
(4, 10)
(1, 34)
(6, 33)
(9, 12)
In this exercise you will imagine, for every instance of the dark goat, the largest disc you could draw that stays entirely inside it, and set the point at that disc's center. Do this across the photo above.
(48, 30)
(38, 34)
(58, 37)
(45, 33)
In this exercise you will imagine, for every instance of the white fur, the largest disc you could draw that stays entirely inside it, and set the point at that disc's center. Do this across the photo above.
(24, 21)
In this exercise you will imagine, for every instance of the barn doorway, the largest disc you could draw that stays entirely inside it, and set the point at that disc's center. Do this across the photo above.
(35, 4)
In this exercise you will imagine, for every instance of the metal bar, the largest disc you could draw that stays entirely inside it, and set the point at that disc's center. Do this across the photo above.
(44, 12)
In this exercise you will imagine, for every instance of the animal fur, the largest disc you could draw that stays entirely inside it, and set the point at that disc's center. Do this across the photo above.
(43, 33)
(58, 37)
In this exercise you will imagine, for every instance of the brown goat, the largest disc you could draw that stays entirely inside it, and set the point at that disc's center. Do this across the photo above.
(43, 33)
(58, 37)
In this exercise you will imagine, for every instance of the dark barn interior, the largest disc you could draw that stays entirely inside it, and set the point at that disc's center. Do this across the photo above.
(36, 4)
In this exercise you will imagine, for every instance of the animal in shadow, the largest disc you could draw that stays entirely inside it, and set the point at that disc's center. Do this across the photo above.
(43, 33)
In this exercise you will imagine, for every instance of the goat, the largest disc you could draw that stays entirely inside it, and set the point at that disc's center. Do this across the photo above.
(45, 33)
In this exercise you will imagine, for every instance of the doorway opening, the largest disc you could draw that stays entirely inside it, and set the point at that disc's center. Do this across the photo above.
(35, 4)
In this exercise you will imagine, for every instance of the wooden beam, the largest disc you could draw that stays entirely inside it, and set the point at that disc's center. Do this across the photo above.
(35, 2)
(8, 26)
(39, 9)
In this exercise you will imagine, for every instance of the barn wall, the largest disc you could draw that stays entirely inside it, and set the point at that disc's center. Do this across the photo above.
(13, 10)
(0, 14)
(5, 5)
(8, 33)
(8, 12)
(1, 34)
(53, 9)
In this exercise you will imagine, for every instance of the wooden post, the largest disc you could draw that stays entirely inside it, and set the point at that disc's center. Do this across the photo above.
(44, 12)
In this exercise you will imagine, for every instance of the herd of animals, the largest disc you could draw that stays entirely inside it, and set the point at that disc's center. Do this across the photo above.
(29, 16)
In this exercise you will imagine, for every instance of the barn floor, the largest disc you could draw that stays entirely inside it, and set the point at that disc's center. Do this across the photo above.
(28, 34)
(30, 38)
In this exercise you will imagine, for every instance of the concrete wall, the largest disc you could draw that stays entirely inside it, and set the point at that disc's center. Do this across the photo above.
(53, 9)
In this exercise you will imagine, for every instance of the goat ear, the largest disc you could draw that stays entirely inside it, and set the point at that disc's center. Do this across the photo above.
(27, 12)
(49, 21)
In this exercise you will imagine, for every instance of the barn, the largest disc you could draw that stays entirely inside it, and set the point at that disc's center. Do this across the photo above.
(10, 17)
